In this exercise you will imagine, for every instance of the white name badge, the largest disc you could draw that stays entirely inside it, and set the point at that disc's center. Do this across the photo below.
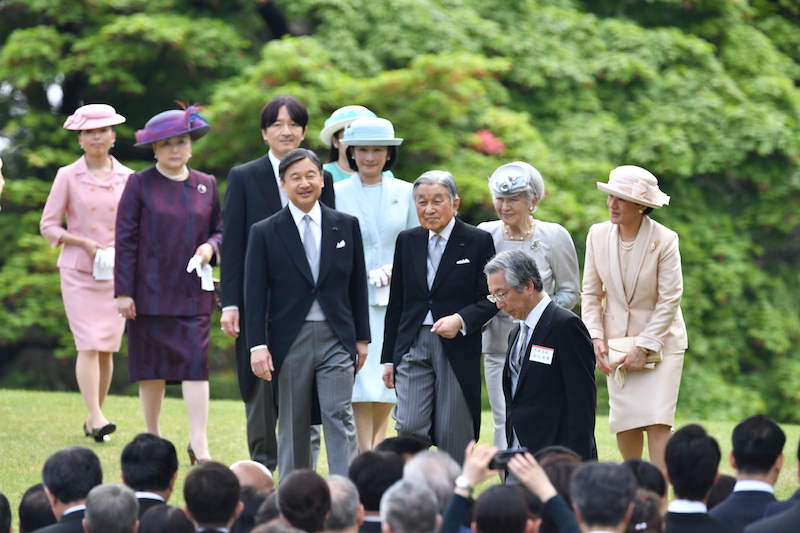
(540, 354)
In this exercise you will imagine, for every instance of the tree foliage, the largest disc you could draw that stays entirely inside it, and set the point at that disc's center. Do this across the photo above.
(702, 93)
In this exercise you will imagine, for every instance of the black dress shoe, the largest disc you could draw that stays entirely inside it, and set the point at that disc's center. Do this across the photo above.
(100, 434)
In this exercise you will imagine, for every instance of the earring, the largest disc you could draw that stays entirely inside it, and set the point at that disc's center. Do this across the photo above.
(113, 145)
(154, 156)
(641, 211)
(190, 156)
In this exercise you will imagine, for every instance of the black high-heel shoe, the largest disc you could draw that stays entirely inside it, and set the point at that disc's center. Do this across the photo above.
(101, 434)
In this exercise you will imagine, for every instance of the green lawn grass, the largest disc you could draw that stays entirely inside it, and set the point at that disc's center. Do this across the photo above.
(35, 424)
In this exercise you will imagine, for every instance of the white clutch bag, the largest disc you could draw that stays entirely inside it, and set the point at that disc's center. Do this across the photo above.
(618, 348)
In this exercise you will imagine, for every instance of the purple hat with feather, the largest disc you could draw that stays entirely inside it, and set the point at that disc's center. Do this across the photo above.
(171, 123)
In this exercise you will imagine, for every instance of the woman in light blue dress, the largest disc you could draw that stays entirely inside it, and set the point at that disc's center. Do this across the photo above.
(384, 207)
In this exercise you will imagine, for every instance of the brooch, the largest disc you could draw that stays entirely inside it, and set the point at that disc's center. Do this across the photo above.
(535, 245)
(202, 189)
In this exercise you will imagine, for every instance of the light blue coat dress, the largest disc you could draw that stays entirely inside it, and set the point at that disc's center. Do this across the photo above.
(381, 223)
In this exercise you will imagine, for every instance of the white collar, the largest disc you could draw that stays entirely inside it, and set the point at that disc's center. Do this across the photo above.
(687, 506)
(298, 214)
(372, 518)
(536, 313)
(752, 484)
(149, 495)
(446, 231)
(74, 509)
(276, 163)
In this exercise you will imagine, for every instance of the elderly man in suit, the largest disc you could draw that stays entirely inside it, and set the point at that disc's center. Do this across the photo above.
(305, 264)
(68, 476)
(111, 508)
(437, 305)
(548, 377)
(253, 194)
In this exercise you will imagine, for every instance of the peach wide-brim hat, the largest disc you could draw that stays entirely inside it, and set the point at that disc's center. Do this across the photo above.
(636, 185)
(92, 117)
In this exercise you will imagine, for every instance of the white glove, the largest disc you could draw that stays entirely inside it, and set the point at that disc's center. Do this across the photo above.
(378, 277)
(103, 264)
(204, 272)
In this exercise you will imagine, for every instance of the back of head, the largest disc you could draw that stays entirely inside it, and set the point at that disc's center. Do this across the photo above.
(722, 488)
(556, 449)
(602, 493)
(692, 457)
(408, 507)
(373, 473)
(268, 510)
(111, 508)
(148, 463)
(559, 468)
(254, 474)
(647, 475)
(646, 514)
(304, 500)
(276, 526)
(405, 447)
(344, 504)
(165, 519)
(532, 501)
(251, 500)
(5, 514)
(211, 493)
(70, 474)
(34, 510)
(435, 470)
(757, 444)
(500, 509)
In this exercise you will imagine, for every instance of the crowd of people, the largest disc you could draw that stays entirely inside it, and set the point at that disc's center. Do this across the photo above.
(400, 487)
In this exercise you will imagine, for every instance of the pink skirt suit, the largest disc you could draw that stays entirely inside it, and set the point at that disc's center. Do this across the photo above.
(90, 208)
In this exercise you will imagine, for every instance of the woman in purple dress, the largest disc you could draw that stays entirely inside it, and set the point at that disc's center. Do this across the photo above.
(169, 228)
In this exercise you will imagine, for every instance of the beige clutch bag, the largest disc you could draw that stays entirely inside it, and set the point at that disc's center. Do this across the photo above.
(618, 348)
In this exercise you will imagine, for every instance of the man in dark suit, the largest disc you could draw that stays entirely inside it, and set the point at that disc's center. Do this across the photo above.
(372, 473)
(149, 466)
(777, 507)
(548, 377)
(602, 496)
(253, 194)
(781, 517)
(437, 306)
(347, 512)
(757, 457)
(211, 493)
(692, 457)
(305, 265)
(68, 476)
(111, 508)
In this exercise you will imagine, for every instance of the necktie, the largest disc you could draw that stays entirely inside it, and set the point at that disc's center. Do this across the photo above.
(310, 247)
(434, 257)
(520, 346)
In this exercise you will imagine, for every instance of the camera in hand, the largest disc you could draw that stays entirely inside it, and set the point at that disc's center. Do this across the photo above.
(501, 458)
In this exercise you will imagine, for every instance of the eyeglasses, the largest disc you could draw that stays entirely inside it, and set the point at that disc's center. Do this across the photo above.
(494, 298)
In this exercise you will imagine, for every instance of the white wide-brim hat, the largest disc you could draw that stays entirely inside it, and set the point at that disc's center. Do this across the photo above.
(341, 118)
(636, 185)
(370, 132)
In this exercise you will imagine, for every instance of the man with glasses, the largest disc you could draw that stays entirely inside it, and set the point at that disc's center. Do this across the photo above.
(437, 306)
(548, 378)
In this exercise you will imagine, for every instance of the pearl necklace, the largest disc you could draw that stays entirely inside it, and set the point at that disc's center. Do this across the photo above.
(527, 234)
(178, 177)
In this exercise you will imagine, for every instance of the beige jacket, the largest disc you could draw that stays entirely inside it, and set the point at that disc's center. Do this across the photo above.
(651, 308)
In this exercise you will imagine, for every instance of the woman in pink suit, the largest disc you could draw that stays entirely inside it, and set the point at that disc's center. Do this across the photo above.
(169, 228)
(632, 286)
(87, 193)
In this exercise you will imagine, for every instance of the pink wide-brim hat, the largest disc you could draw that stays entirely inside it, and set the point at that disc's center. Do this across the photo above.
(636, 185)
(92, 117)
(171, 123)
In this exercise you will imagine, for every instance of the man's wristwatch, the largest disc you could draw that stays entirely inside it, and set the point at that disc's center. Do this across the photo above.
(463, 483)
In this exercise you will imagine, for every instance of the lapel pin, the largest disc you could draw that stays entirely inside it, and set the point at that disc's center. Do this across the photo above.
(201, 189)
(654, 246)
(535, 245)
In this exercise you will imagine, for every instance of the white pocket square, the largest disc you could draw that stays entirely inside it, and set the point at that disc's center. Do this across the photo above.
(340, 244)
(462, 261)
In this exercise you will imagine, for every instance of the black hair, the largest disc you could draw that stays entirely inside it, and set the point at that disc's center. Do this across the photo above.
(268, 509)
(646, 514)
(252, 500)
(304, 500)
(757, 444)
(5, 514)
(296, 155)
(148, 462)
(70, 474)
(722, 488)
(391, 156)
(211, 493)
(373, 473)
(603, 493)
(647, 475)
(559, 468)
(531, 500)
(165, 519)
(296, 110)
(410, 446)
(692, 457)
(500, 509)
(34, 510)
(333, 153)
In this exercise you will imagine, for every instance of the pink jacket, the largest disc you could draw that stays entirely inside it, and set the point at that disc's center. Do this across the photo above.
(90, 206)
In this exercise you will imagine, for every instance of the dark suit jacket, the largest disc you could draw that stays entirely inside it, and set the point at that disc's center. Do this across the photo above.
(278, 278)
(251, 195)
(742, 508)
(774, 508)
(160, 224)
(370, 527)
(69, 523)
(694, 523)
(459, 287)
(145, 504)
(555, 403)
(786, 522)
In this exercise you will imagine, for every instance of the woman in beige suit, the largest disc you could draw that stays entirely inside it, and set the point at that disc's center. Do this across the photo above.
(632, 286)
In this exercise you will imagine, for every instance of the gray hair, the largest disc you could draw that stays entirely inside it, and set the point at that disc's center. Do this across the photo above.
(409, 508)
(344, 504)
(602, 492)
(436, 471)
(438, 177)
(517, 268)
(111, 508)
(298, 154)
